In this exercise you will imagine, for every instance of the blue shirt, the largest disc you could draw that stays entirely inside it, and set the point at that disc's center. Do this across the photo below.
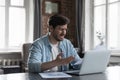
(40, 52)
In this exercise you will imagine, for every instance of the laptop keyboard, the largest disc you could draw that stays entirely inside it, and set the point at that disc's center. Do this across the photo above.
(73, 71)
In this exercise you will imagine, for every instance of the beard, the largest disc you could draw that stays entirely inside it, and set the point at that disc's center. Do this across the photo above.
(57, 38)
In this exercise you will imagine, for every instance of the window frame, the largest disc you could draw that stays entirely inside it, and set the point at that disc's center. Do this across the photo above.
(106, 23)
(28, 26)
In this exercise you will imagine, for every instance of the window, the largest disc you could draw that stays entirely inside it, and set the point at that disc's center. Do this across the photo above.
(14, 24)
(107, 22)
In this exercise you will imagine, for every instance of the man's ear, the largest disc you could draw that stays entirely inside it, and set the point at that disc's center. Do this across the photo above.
(50, 28)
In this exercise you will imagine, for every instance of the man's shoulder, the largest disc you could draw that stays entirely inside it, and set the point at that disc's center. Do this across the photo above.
(41, 39)
(65, 41)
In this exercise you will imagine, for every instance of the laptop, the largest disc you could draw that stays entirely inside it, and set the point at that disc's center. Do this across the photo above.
(94, 61)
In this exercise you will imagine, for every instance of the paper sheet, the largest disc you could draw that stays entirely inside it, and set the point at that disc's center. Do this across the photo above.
(54, 75)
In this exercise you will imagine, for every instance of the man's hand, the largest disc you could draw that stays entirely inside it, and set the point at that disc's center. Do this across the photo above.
(62, 61)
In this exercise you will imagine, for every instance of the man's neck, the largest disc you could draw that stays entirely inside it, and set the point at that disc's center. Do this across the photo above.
(52, 40)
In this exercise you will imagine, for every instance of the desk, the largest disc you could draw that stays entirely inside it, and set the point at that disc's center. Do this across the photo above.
(111, 73)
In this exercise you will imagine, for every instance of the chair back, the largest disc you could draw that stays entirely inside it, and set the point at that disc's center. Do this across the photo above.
(25, 54)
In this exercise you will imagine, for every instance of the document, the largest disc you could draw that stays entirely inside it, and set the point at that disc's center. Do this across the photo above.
(54, 75)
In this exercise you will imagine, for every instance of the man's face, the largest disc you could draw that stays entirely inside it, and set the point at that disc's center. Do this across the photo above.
(59, 32)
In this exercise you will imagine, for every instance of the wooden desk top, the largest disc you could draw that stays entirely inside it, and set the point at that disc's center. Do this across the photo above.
(111, 73)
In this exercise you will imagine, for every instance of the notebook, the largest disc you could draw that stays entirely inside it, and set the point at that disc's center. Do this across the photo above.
(94, 61)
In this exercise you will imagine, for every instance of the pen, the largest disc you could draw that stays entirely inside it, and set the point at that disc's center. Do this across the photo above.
(63, 67)
(61, 52)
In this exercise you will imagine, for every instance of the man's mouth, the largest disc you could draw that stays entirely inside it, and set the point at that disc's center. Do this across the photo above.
(62, 37)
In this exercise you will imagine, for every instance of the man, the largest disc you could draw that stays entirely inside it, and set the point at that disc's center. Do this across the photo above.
(53, 52)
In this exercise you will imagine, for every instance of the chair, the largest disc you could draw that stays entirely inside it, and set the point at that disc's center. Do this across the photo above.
(25, 53)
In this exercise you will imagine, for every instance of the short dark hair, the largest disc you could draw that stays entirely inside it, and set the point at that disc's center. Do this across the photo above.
(58, 19)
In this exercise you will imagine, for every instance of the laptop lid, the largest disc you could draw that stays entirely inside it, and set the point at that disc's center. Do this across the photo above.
(94, 61)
